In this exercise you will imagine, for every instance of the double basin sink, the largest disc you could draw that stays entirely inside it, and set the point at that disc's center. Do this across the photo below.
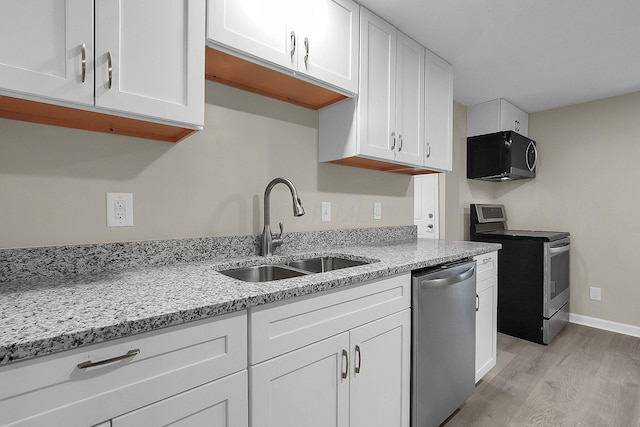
(287, 270)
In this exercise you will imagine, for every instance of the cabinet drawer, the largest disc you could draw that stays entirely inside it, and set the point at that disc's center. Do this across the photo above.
(169, 361)
(284, 326)
(487, 266)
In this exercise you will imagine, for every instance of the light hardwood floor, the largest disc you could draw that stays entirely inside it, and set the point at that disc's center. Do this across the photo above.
(585, 377)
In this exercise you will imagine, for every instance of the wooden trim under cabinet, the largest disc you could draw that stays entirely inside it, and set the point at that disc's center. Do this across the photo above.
(232, 71)
(379, 165)
(49, 114)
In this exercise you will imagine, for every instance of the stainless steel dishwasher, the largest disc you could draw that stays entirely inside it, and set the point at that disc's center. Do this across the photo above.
(443, 331)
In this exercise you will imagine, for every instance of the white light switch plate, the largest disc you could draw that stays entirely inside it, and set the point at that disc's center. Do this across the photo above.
(119, 209)
(377, 210)
(326, 211)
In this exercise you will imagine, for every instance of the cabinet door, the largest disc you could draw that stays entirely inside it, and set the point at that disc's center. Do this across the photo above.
(376, 108)
(380, 372)
(513, 118)
(439, 113)
(41, 49)
(329, 42)
(486, 326)
(222, 403)
(154, 49)
(256, 27)
(409, 101)
(303, 387)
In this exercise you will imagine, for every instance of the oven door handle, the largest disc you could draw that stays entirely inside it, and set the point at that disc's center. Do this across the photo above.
(560, 249)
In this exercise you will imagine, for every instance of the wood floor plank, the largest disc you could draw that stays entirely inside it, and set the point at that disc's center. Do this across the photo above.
(585, 377)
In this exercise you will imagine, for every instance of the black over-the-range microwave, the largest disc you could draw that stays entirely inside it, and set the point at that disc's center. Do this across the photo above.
(501, 156)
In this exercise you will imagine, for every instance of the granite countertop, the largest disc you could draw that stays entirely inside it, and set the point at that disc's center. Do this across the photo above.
(44, 315)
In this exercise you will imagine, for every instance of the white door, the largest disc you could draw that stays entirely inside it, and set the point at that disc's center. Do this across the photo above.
(410, 101)
(380, 372)
(222, 403)
(304, 387)
(439, 113)
(155, 51)
(376, 104)
(426, 205)
(328, 42)
(257, 27)
(41, 49)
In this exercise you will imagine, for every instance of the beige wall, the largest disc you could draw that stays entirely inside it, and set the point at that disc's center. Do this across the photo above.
(53, 180)
(586, 184)
(461, 192)
(587, 181)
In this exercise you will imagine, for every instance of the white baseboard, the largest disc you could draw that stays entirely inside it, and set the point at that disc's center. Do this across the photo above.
(607, 325)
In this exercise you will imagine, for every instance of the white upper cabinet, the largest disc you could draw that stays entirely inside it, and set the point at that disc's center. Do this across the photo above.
(376, 104)
(154, 49)
(318, 39)
(439, 114)
(391, 104)
(147, 61)
(410, 101)
(42, 46)
(384, 128)
(496, 116)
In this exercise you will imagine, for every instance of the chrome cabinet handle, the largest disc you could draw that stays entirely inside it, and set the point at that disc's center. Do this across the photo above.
(486, 260)
(428, 149)
(84, 62)
(293, 43)
(90, 364)
(399, 142)
(477, 302)
(393, 140)
(345, 372)
(110, 68)
(359, 365)
(306, 47)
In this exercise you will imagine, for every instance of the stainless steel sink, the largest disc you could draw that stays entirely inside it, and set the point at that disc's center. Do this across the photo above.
(262, 273)
(322, 264)
(268, 272)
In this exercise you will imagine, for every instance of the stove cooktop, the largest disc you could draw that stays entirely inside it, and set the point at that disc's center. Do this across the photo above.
(548, 236)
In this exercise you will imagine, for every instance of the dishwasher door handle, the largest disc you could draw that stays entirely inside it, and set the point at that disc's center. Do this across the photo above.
(446, 281)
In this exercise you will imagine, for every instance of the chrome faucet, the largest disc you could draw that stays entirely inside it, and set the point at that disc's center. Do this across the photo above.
(268, 241)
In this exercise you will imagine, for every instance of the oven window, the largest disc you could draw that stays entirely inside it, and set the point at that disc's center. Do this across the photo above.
(559, 273)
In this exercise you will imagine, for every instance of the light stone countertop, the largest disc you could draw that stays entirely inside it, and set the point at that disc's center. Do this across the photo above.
(44, 315)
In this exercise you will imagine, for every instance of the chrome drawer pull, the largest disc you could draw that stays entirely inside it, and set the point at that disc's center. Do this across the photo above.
(90, 364)
(293, 43)
(84, 62)
(357, 369)
(306, 46)
(345, 356)
(110, 69)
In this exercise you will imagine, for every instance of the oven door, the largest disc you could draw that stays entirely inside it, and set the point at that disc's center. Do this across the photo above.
(556, 276)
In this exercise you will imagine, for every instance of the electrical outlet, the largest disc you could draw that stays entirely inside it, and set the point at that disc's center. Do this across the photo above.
(326, 211)
(595, 294)
(377, 210)
(119, 209)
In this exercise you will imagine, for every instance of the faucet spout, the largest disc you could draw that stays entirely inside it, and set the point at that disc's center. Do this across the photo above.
(268, 242)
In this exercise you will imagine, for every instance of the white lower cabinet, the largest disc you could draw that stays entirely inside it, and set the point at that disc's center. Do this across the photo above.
(380, 377)
(176, 375)
(356, 374)
(221, 403)
(303, 387)
(486, 313)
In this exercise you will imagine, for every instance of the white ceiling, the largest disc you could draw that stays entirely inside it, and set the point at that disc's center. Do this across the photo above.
(537, 54)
